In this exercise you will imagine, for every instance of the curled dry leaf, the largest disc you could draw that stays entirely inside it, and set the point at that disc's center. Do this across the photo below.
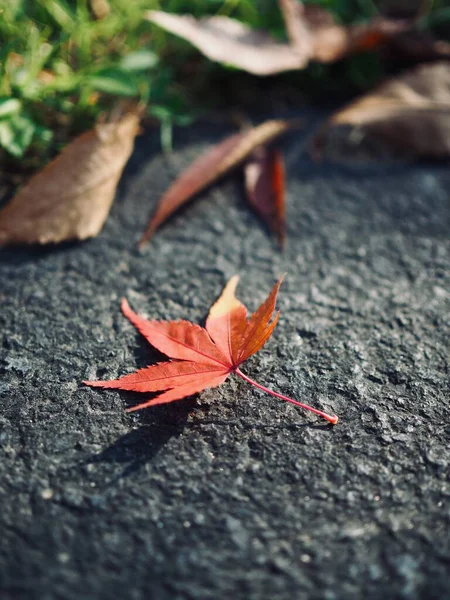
(203, 357)
(410, 113)
(71, 197)
(265, 187)
(313, 34)
(211, 166)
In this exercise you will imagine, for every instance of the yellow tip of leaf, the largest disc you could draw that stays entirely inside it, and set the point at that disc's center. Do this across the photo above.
(227, 301)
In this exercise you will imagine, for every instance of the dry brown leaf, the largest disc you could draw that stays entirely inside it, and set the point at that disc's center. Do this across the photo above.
(411, 113)
(313, 33)
(332, 41)
(297, 28)
(265, 187)
(71, 197)
(314, 30)
(229, 41)
(211, 166)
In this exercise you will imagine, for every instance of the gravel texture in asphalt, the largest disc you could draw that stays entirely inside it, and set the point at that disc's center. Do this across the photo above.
(233, 493)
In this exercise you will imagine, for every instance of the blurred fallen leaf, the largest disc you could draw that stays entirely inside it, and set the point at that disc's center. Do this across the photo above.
(229, 41)
(71, 197)
(265, 187)
(313, 33)
(296, 26)
(410, 113)
(211, 166)
(332, 41)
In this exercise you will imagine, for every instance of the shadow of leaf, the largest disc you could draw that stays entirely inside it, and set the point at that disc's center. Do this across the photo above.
(141, 445)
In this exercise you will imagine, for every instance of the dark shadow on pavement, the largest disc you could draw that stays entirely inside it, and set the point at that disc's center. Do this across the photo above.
(140, 446)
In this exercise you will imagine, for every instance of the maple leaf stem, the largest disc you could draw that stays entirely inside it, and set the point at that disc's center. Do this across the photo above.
(333, 419)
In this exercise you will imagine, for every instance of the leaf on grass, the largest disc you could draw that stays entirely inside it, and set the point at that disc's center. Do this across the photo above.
(71, 197)
(410, 113)
(265, 187)
(211, 166)
(313, 34)
(229, 41)
(202, 357)
(296, 26)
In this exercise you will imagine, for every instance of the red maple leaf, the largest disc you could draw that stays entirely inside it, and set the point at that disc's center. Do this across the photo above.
(203, 357)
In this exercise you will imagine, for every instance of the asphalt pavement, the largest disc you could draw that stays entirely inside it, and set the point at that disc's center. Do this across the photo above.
(233, 493)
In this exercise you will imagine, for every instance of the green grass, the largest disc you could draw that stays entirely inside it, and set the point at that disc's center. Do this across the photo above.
(60, 68)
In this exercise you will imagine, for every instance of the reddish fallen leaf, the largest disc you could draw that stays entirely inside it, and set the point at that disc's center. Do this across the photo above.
(410, 113)
(313, 32)
(265, 186)
(71, 197)
(211, 166)
(204, 357)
